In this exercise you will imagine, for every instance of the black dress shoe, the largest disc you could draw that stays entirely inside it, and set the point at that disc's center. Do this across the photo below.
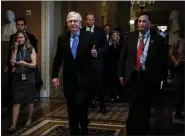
(36, 99)
(84, 131)
(178, 116)
(103, 110)
(117, 97)
(112, 100)
(74, 132)
(92, 104)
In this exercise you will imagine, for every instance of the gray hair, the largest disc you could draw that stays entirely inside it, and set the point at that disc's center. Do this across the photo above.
(111, 40)
(75, 15)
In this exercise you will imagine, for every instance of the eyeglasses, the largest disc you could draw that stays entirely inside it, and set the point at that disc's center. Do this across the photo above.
(73, 21)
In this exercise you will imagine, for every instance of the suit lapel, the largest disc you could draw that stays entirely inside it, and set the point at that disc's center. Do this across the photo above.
(95, 30)
(68, 44)
(134, 44)
(150, 48)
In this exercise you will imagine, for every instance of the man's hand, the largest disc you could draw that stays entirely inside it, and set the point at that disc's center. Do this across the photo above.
(55, 82)
(176, 64)
(6, 69)
(94, 52)
(121, 80)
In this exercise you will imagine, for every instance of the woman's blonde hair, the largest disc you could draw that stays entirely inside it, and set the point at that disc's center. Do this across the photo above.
(118, 39)
(27, 43)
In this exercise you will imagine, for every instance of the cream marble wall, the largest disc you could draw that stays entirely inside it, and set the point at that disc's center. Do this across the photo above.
(99, 8)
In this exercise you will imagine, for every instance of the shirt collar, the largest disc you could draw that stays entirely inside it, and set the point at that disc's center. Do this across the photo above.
(146, 34)
(90, 28)
(77, 33)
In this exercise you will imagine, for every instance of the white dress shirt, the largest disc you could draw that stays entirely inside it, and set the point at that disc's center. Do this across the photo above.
(146, 46)
(88, 28)
(71, 38)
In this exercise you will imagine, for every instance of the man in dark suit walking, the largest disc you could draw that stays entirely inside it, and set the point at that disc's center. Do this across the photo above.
(107, 29)
(75, 49)
(98, 62)
(142, 65)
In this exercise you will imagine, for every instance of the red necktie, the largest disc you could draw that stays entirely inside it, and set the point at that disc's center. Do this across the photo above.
(139, 53)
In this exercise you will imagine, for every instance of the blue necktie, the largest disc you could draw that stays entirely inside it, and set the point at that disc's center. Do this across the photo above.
(74, 45)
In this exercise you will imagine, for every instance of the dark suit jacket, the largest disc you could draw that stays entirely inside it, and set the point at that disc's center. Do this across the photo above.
(33, 42)
(113, 57)
(156, 61)
(101, 46)
(75, 71)
(108, 38)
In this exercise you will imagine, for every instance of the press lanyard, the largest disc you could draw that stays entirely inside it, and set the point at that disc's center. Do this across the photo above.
(145, 42)
(142, 57)
(22, 55)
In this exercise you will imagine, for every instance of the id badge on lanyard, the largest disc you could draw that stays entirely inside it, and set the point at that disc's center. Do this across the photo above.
(23, 76)
(22, 55)
(142, 57)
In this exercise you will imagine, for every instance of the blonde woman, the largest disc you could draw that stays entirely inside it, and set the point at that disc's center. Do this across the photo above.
(113, 57)
(23, 61)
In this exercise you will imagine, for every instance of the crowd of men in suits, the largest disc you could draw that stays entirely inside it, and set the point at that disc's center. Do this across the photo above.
(141, 66)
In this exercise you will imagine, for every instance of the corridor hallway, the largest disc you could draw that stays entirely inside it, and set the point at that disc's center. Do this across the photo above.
(50, 118)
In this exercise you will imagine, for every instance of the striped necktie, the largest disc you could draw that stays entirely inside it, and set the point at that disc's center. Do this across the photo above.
(139, 53)
(89, 29)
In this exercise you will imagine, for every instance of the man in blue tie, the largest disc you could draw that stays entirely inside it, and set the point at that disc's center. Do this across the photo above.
(75, 49)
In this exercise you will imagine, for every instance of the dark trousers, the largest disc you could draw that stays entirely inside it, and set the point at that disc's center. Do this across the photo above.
(139, 111)
(180, 89)
(114, 86)
(77, 104)
(96, 86)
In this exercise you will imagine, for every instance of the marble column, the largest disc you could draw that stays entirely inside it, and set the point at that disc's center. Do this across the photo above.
(104, 12)
(184, 19)
(51, 28)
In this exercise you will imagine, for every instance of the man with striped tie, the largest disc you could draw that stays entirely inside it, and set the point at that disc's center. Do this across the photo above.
(142, 66)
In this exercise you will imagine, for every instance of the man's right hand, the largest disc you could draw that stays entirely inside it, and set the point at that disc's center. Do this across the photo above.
(55, 82)
(121, 80)
(176, 64)
(6, 69)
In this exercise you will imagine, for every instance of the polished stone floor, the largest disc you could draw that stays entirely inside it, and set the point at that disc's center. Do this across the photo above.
(50, 118)
(51, 114)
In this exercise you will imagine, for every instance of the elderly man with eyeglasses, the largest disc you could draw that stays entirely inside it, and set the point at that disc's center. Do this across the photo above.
(75, 51)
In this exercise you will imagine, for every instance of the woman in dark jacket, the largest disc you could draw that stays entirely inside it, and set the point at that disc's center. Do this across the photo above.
(113, 58)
